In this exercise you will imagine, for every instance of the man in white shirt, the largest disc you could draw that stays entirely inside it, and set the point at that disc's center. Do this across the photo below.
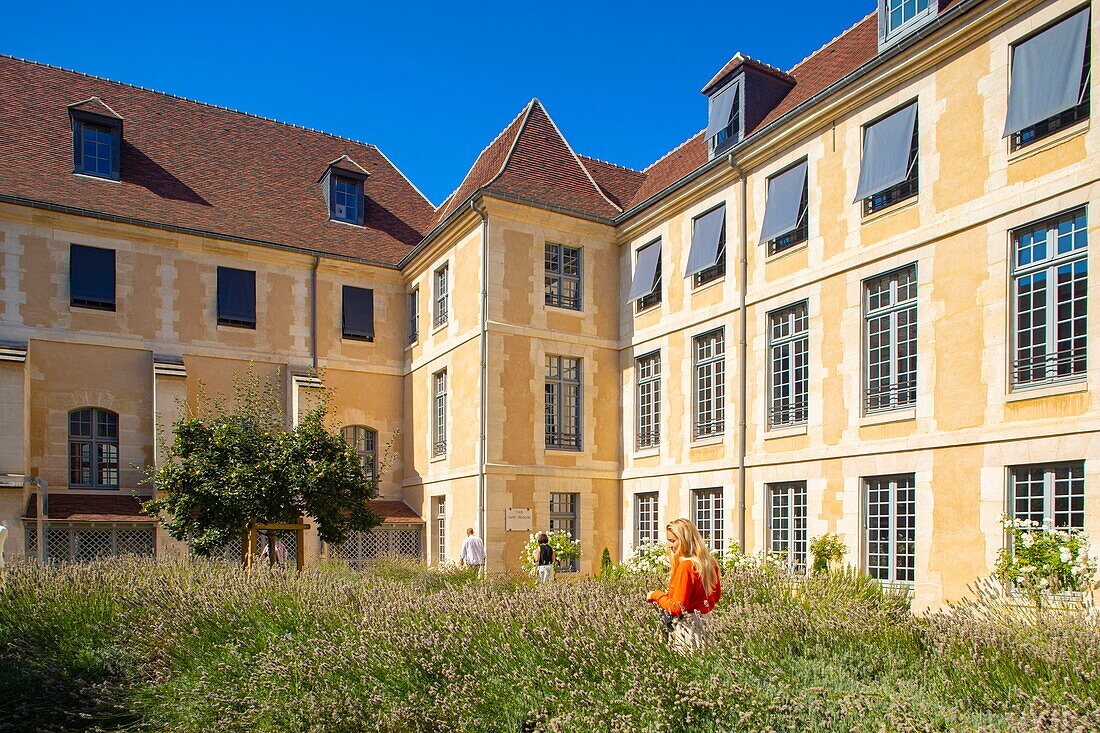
(473, 551)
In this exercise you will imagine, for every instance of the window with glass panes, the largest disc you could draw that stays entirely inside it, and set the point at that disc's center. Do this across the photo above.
(646, 527)
(789, 335)
(439, 413)
(647, 372)
(1050, 297)
(563, 402)
(787, 522)
(709, 519)
(710, 383)
(802, 231)
(1065, 118)
(899, 191)
(653, 297)
(96, 150)
(441, 295)
(718, 269)
(564, 517)
(93, 449)
(1052, 495)
(563, 276)
(900, 12)
(890, 340)
(365, 442)
(347, 194)
(414, 315)
(440, 529)
(889, 526)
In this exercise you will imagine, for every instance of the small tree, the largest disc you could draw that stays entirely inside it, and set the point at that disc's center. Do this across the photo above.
(827, 550)
(229, 469)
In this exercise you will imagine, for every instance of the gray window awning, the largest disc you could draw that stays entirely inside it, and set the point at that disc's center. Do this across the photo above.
(886, 152)
(645, 271)
(1046, 73)
(720, 109)
(705, 240)
(784, 202)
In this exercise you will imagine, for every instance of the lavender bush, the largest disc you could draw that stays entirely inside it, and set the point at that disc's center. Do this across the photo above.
(142, 646)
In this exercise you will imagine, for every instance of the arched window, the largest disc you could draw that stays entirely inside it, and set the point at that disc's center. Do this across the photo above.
(364, 440)
(93, 448)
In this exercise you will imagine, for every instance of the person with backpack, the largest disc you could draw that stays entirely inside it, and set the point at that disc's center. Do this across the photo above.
(544, 560)
(694, 585)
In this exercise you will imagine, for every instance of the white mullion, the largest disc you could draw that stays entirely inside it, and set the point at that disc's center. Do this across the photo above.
(1048, 495)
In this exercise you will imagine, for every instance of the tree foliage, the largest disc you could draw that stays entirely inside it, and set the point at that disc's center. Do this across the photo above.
(233, 466)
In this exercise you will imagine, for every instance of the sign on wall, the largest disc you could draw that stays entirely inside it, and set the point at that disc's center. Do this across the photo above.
(517, 520)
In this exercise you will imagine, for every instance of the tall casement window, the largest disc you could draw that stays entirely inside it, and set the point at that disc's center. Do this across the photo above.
(442, 295)
(563, 403)
(347, 199)
(789, 346)
(236, 297)
(1052, 495)
(787, 522)
(563, 276)
(93, 449)
(710, 384)
(890, 337)
(647, 373)
(786, 211)
(358, 313)
(414, 315)
(889, 526)
(1050, 296)
(439, 413)
(707, 257)
(646, 527)
(365, 442)
(91, 277)
(97, 142)
(888, 172)
(439, 512)
(564, 516)
(1049, 85)
(645, 288)
(706, 509)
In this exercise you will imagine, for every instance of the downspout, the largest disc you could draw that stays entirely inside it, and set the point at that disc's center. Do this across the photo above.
(483, 377)
(43, 509)
(743, 354)
(313, 313)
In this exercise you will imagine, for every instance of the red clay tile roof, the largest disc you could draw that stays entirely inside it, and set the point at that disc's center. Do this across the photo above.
(95, 105)
(739, 60)
(616, 182)
(394, 512)
(673, 166)
(89, 508)
(345, 163)
(192, 165)
(531, 160)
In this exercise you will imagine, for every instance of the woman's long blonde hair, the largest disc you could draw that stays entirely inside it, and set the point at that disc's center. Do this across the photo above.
(693, 548)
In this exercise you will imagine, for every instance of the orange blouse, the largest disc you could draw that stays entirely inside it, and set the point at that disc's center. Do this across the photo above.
(685, 592)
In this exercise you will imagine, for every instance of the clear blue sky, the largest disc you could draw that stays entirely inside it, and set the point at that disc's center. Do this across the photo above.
(432, 83)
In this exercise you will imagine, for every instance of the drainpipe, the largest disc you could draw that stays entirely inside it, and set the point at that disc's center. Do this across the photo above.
(43, 508)
(484, 375)
(743, 354)
(313, 312)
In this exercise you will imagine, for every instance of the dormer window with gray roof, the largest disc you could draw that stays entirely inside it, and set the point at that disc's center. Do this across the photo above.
(97, 139)
(724, 118)
(739, 97)
(897, 18)
(343, 185)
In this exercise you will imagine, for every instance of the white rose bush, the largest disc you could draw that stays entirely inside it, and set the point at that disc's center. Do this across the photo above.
(1042, 560)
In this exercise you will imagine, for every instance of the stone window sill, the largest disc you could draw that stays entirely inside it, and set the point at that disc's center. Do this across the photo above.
(1050, 390)
(882, 418)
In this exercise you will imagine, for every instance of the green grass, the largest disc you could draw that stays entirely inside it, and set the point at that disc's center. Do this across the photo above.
(140, 646)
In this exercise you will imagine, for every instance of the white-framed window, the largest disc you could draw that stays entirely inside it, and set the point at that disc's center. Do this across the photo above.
(787, 522)
(440, 514)
(789, 349)
(563, 402)
(710, 384)
(93, 449)
(365, 442)
(1050, 299)
(652, 297)
(899, 17)
(563, 276)
(706, 510)
(439, 413)
(414, 315)
(442, 294)
(647, 528)
(889, 527)
(718, 269)
(890, 340)
(564, 517)
(647, 374)
(1052, 494)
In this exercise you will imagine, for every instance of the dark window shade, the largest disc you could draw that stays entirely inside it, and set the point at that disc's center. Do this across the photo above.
(236, 297)
(92, 277)
(358, 313)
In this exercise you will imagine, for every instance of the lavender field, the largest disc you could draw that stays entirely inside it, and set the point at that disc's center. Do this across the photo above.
(137, 646)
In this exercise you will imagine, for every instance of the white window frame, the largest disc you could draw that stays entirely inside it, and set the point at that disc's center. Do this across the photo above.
(899, 506)
(898, 308)
(787, 529)
(439, 413)
(1053, 487)
(708, 513)
(563, 401)
(647, 522)
(441, 280)
(414, 315)
(920, 17)
(647, 394)
(557, 279)
(440, 529)
(565, 515)
(789, 357)
(709, 384)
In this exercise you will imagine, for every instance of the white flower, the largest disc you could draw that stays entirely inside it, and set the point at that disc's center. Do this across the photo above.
(1065, 555)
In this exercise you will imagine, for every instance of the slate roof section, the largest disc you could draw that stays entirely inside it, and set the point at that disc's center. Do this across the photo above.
(394, 512)
(89, 508)
(195, 166)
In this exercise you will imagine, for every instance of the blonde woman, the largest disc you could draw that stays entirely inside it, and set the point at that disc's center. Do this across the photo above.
(694, 586)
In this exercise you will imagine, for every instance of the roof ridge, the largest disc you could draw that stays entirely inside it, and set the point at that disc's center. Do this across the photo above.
(96, 98)
(188, 99)
(515, 141)
(608, 162)
(843, 33)
(678, 147)
(765, 64)
(576, 157)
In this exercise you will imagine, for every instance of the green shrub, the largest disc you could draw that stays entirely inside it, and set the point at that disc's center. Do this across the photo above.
(827, 550)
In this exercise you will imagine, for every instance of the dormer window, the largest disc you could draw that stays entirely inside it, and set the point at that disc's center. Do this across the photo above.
(97, 139)
(343, 188)
(724, 116)
(896, 18)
